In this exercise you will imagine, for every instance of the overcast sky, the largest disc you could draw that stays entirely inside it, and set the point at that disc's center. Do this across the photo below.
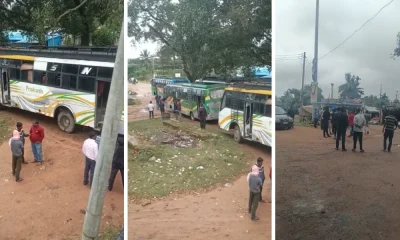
(134, 51)
(366, 54)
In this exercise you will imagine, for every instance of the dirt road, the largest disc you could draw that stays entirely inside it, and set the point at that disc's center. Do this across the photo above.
(327, 194)
(47, 204)
(139, 112)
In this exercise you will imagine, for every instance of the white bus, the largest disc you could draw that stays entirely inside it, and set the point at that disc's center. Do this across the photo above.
(246, 108)
(73, 91)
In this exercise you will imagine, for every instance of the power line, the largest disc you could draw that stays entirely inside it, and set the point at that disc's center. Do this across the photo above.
(357, 30)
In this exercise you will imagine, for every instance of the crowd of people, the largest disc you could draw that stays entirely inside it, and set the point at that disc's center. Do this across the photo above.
(90, 150)
(177, 109)
(336, 122)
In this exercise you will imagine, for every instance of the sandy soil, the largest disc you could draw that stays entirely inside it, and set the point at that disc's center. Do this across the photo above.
(48, 203)
(327, 194)
(218, 214)
(140, 112)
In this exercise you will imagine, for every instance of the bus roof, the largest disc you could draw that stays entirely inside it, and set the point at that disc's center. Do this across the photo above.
(171, 79)
(255, 91)
(102, 54)
(203, 86)
(58, 60)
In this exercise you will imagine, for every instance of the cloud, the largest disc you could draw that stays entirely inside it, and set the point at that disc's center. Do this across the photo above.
(366, 54)
(134, 51)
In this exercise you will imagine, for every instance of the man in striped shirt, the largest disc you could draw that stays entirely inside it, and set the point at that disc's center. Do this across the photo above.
(388, 131)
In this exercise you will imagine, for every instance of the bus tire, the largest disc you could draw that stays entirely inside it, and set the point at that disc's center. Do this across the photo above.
(192, 116)
(66, 121)
(238, 135)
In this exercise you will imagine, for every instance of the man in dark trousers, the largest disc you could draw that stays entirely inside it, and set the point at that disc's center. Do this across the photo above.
(118, 163)
(202, 116)
(334, 123)
(342, 122)
(36, 135)
(388, 131)
(325, 121)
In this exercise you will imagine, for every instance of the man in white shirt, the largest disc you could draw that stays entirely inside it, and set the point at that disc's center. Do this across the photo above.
(359, 123)
(90, 149)
(150, 106)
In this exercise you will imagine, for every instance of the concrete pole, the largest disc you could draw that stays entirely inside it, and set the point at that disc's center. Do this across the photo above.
(302, 78)
(315, 63)
(109, 134)
(332, 90)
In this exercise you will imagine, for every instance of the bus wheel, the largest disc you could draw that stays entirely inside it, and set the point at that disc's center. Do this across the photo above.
(192, 116)
(66, 121)
(238, 135)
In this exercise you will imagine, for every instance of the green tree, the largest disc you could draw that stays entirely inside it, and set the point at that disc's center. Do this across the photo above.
(208, 36)
(351, 89)
(79, 18)
(291, 97)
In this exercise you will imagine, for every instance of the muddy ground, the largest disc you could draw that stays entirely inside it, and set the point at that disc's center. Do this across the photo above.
(48, 203)
(327, 194)
(217, 214)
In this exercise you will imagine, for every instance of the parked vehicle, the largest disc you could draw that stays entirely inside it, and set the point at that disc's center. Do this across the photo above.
(282, 120)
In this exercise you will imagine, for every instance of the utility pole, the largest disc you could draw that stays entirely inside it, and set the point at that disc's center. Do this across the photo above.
(109, 134)
(302, 78)
(380, 92)
(332, 90)
(315, 61)
(397, 92)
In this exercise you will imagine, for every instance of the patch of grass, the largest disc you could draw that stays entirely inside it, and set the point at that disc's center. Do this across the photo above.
(134, 102)
(5, 126)
(111, 233)
(157, 170)
(298, 122)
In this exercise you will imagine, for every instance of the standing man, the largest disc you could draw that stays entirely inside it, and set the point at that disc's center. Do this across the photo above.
(90, 149)
(351, 122)
(334, 122)
(162, 106)
(16, 149)
(36, 135)
(325, 121)
(202, 116)
(388, 131)
(261, 174)
(117, 163)
(359, 123)
(178, 109)
(22, 135)
(150, 107)
(342, 123)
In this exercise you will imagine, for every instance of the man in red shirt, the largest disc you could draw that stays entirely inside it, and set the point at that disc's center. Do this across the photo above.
(351, 122)
(36, 135)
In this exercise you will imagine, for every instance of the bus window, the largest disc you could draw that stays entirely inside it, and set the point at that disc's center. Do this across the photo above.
(54, 79)
(258, 108)
(248, 114)
(69, 81)
(54, 67)
(217, 94)
(223, 102)
(15, 74)
(70, 69)
(86, 84)
(105, 72)
(38, 77)
(88, 71)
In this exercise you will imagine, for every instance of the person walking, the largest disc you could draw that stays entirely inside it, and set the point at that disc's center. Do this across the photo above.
(255, 183)
(162, 106)
(150, 107)
(36, 136)
(388, 131)
(22, 135)
(342, 122)
(326, 116)
(17, 147)
(351, 122)
(202, 116)
(359, 123)
(117, 163)
(90, 149)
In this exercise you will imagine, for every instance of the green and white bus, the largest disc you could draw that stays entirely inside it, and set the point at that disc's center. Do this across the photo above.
(246, 108)
(158, 84)
(65, 85)
(191, 95)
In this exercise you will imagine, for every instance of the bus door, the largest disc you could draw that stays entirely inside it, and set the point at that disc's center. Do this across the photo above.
(102, 92)
(5, 88)
(248, 118)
